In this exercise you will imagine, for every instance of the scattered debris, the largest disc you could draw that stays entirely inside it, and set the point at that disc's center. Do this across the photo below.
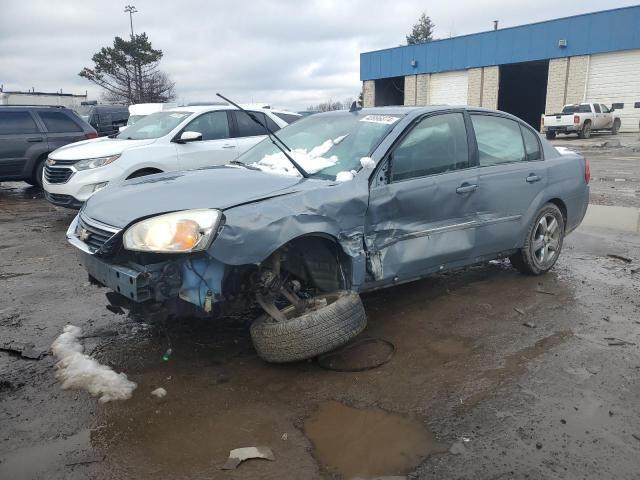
(612, 341)
(619, 257)
(539, 290)
(285, 436)
(239, 455)
(593, 369)
(86, 460)
(457, 448)
(519, 310)
(538, 445)
(563, 421)
(25, 350)
(159, 392)
(79, 371)
(167, 354)
(606, 318)
(529, 324)
(637, 437)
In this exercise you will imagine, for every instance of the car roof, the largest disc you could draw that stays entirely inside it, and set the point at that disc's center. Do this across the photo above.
(34, 107)
(212, 108)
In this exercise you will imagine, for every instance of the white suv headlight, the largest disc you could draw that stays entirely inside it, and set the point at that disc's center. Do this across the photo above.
(95, 162)
(178, 232)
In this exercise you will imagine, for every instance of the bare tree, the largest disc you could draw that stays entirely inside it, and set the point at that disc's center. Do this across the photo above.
(129, 72)
(331, 105)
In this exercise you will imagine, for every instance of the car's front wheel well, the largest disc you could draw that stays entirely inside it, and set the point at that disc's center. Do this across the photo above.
(315, 261)
(143, 172)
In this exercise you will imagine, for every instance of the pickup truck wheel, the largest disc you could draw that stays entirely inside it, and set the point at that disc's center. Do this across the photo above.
(616, 127)
(586, 130)
(328, 322)
(551, 135)
(543, 243)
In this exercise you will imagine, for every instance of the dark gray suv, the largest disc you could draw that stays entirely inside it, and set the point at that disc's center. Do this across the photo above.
(28, 134)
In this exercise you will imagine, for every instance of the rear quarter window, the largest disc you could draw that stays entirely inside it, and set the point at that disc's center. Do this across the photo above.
(59, 122)
(15, 123)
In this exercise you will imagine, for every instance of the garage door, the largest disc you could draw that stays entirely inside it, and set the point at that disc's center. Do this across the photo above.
(449, 88)
(615, 78)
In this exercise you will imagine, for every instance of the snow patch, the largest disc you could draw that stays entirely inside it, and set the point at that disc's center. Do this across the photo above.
(565, 151)
(345, 176)
(159, 392)
(311, 161)
(79, 371)
(367, 162)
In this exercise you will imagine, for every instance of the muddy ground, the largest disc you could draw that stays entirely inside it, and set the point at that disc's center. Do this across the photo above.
(471, 392)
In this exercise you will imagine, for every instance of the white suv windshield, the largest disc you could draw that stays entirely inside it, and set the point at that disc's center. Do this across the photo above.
(155, 125)
(323, 144)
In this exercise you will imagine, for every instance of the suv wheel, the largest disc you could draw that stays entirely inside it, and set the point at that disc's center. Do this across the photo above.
(36, 179)
(543, 244)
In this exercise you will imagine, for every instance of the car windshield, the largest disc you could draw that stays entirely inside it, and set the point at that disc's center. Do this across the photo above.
(325, 145)
(134, 118)
(155, 125)
(584, 108)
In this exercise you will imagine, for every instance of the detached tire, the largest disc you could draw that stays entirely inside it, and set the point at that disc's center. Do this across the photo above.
(319, 330)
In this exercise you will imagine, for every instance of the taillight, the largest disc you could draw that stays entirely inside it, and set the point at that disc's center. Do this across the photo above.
(90, 135)
(587, 171)
(576, 119)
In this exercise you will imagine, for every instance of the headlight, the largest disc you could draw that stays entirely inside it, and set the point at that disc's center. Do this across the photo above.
(185, 231)
(95, 162)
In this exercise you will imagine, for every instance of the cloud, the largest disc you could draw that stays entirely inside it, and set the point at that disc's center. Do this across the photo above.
(289, 53)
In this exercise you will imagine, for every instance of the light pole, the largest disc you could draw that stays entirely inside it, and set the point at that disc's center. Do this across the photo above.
(131, 9)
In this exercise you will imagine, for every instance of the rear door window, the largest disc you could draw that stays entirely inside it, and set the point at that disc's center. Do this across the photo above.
(16, 123)
(499, 140)
(531, 144)
(437, 144)
(247, 127)
(58, 122)
(212, 125)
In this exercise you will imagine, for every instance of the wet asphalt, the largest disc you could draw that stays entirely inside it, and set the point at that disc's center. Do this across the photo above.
(495, 375)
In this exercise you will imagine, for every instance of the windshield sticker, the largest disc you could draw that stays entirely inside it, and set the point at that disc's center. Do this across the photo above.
(384, 119)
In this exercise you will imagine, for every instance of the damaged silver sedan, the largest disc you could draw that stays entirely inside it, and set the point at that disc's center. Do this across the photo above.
(337, 204)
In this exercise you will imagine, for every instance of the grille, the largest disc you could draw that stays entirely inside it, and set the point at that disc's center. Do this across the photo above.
(57, 175)
(64, 162)
(97, 236)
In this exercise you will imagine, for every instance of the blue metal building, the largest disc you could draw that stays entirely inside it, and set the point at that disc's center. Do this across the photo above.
(525, 70)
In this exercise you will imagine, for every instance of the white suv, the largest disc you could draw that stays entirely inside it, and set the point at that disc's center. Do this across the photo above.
(182, 138)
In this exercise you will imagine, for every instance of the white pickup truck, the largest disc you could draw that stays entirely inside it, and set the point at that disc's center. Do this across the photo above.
(582, 119)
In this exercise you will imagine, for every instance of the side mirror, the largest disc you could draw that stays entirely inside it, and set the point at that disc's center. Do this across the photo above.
(612, 109)
(189, 137)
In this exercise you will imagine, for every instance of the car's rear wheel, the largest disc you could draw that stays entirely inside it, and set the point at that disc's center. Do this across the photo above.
(327, 322)
(616, 127)
(551, 135)
(586, 130)
(543, 242)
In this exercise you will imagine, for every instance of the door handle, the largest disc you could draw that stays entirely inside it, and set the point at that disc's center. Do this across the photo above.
(34, 139)
(466, 188)
(228, 146)
(533, 178)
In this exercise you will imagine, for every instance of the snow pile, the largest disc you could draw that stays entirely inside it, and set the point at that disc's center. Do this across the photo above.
(345, 176)
(79, 371)
(159, 392)
(311, 161)
(367, 162)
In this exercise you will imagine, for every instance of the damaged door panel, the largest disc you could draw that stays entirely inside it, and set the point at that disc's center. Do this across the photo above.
(425, 213)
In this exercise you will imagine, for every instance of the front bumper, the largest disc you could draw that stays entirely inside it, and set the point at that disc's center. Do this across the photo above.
(66, 201)
(196, 278)
(81, 184)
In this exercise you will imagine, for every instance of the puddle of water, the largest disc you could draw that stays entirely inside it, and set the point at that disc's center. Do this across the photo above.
(367, 442)
(618, 218)
(33, 462)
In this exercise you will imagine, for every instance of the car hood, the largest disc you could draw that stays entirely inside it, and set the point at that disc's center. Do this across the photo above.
(98, 147)
(215, 187)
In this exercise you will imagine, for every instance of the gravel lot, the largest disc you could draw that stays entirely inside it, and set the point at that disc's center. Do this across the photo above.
(495, 375)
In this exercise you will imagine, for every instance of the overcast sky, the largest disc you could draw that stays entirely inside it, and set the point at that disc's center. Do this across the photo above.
(290, 53)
